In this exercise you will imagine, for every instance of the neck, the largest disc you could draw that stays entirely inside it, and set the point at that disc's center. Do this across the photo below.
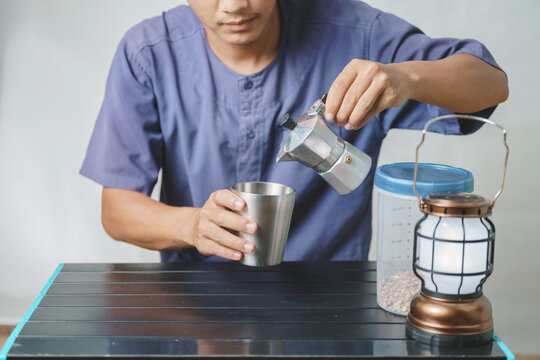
(253, 57)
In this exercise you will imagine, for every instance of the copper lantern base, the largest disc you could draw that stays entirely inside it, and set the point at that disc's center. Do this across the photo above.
(447, 322)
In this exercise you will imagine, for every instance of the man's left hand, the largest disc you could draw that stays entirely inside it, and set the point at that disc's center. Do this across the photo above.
(363, 89)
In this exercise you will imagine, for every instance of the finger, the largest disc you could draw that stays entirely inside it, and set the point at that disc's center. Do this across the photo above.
(353, 95)
(338, 90)
(377, 108)
(232, 221)
(228, 199)
(212, 248)
(228, 239)
(365, 105)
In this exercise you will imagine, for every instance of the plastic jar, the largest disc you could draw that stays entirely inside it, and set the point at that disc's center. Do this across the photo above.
(397, 215)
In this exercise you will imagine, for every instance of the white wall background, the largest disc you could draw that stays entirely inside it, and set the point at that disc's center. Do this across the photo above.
(54, 59)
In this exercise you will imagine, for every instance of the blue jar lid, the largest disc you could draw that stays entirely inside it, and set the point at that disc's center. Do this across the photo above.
(398, 178)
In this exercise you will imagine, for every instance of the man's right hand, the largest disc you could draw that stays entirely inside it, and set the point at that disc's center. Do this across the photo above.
(140, 220)
(211, 235)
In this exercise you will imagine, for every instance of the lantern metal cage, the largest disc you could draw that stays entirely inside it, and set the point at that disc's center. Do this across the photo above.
(433, 276)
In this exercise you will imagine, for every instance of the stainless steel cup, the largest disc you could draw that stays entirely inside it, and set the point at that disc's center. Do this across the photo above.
(270, 205)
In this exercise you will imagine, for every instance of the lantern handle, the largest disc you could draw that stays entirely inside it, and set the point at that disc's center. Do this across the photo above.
(468, 117)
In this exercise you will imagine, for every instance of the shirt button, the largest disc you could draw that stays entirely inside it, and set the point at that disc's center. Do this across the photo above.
(248, 84)
(251, 134)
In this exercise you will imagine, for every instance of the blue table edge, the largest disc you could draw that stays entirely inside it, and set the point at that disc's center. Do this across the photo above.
(504, 348)
(15, 333)
(18, 328)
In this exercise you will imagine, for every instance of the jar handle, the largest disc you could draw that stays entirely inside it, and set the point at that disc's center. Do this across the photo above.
(468, 117)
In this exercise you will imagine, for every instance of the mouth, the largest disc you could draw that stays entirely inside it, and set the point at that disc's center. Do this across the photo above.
(239, 25)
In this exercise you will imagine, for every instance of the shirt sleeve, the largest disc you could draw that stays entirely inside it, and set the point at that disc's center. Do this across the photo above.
(394, 40)
(125, 149)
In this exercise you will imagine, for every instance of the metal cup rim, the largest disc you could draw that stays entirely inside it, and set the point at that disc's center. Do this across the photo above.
(289, 190)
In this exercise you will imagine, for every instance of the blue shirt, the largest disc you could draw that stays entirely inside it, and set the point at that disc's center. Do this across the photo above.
(170, 104)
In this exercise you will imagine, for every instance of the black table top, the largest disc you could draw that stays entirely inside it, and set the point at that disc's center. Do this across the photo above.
(303, 309)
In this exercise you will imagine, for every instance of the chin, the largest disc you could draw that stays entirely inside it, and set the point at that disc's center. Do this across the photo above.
(240, 39)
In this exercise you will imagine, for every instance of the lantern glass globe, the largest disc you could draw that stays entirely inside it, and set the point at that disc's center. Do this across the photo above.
(453, 253)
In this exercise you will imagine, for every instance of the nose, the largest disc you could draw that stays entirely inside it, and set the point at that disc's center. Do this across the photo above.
(233, 6)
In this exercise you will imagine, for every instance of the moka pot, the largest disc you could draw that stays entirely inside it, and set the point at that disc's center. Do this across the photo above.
(312, 143)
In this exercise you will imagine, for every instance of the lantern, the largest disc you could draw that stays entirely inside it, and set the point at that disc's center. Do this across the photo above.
(453, 256)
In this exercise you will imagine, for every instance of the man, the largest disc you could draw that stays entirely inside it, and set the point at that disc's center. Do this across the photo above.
(198, 93)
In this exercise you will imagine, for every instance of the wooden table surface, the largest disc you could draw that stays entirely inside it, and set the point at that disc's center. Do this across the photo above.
(303, 309)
